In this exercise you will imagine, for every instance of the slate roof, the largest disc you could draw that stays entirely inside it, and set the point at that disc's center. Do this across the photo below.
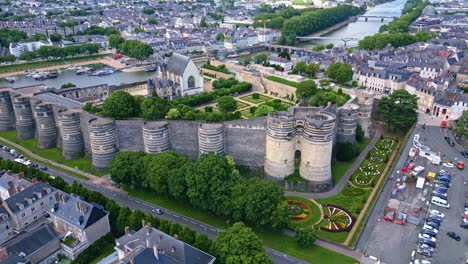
(31, 241)
(14, 259)
(28, 193)
(6, 179)
(177, 63)
(67, 209)
(170, 249)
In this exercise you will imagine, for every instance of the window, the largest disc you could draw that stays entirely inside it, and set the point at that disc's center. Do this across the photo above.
(35, 217)
(191, 82)
(42, 203)
(23, 215)
(33, 209)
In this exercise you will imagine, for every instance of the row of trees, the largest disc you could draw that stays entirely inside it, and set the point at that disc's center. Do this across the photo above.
(212, 183)
(412, 10)
(306, 69)
(379, 41)
(246, 245)
(132, 48)
(57, 52)
(310, 22)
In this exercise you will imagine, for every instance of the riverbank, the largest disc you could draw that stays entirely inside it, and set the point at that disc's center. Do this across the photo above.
(20, 69)
(333, 28)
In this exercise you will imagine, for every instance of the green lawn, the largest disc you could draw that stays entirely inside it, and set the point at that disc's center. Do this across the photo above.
(283, 81)
(40, 64)
(262, 98)
(241, 105)
(339, 169)
(315, 212)
(314, 254)
(53, 154)
(179, 207)
(246, 113)
(106, 251)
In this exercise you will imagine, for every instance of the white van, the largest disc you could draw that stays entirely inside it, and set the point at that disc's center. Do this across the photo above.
(440, 202)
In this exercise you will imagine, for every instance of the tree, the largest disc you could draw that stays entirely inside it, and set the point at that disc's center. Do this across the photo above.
(264, 110)
(399, 109)
(67, 85)
(227, 104)
(56, 37)
(261, 58)
(136, 49)
(203, 23)
(120, 104)
(148, 11)
(220, 36)
(122, 219)
(461, 125)
(173, 114)
(187, 235)
(305, 236)
(329, 46)
(245, 59)
(306, 89)
(347, 151)
(202, 242)
(28, 55)
(154, 107)
(239, 244)
(311, 69)
(300, 67)
(152, 21)
(160, 169)
(318, 48)
(176, 184)
(340, 72)
(359, 133)
(115, 40)
(125, 167)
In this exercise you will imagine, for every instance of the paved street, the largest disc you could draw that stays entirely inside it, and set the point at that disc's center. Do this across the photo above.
(392, 243)
(136, 204)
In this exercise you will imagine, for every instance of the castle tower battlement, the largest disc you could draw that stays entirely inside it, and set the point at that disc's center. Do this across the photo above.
(45, 124)
(72, 137)
(211, 138)
(348, 116)
(103, 139)
(24, 117)
(365, 102)
(156, 137)
(7, 115)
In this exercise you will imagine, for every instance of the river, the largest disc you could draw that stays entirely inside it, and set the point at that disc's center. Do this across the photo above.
(360, 28)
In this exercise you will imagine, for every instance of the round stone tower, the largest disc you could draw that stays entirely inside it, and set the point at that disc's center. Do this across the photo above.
(103, 139)
(156, 137)
(211, 138)
(365, 101)
(280, 145)
(316, 150)
(7, 115)
(347, 119)
(45, 123)
(72, 137)
(24, 117)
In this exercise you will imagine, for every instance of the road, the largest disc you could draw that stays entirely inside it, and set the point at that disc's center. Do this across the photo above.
(382, 239)
(137, 204)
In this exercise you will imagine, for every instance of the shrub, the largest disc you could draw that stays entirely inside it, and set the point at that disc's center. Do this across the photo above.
(255, 96)
(305, 237)
(347, 151)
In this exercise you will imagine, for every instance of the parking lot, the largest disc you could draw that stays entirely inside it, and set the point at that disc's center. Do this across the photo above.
(394, 243)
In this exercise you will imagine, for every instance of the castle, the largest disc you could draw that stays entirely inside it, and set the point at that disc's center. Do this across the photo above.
(272, 141)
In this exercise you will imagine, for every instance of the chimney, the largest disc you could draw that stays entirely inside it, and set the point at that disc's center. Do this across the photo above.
(127, 230)
(148, 242)
(143, 223)
(176, 236)
(34, 180)
(148, 229)
(329, 104)
(155, 251)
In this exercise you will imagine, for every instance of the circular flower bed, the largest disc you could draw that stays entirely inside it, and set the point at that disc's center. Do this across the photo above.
(298, 210)
(339, 219)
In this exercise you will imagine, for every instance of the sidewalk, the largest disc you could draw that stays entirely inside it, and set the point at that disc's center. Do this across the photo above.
(94, 179)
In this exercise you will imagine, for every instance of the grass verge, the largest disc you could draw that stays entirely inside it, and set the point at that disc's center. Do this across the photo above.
(40, 64)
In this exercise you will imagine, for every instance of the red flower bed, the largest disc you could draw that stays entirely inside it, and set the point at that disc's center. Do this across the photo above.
(304, 206)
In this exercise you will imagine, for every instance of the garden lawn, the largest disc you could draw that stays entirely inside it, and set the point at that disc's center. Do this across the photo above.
(315, 212)
(40, 64)
(246, 113)
(339, 169)
(283, 81)
(53, 154)
(241, 105)
(314, 254)
(178, 207)
(262, 98)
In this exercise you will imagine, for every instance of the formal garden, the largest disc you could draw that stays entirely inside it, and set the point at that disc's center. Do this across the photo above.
(340, 213)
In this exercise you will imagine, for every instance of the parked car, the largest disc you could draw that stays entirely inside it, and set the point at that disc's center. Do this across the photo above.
(424, 252)
(443, 179)
(447, 165)
(440, 189)
(442, 185)
(464, 225)
(421, 261)
(435, 220)
(435, 212)
(430, 228)
(44, 168)
(158, 211)
(426, 246)
(427, 237)
(433, 224)
(428, 232)
(464, 153)
(438, 218)
(440, 195)
(443, 172)
(428, 242)
(454, 236)
(449, 141)
(466, 205)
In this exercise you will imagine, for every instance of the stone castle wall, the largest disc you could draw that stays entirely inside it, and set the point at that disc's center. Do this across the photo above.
(267, 141)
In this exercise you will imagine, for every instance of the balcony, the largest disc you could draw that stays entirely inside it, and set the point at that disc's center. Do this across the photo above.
(73, 247)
